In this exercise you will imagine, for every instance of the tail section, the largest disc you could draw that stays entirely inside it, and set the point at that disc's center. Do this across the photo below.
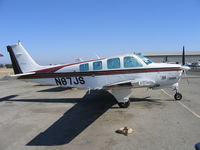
(21, 60)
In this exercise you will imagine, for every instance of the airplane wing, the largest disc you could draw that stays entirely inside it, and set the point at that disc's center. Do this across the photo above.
(123, 90)
(139, 83)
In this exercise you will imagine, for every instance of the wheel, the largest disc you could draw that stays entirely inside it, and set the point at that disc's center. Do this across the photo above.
(178, 96)
(124, 105)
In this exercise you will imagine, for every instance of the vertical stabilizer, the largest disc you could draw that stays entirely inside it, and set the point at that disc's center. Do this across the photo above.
(22, 62)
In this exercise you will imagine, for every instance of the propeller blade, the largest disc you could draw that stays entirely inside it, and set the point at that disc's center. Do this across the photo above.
(183, 56)
(185, 69)
(186, 77)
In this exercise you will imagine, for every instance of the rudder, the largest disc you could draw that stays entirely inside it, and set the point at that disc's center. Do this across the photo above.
(22, 62)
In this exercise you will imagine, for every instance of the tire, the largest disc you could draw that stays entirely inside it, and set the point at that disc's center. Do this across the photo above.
(124, 105)
(178, 96)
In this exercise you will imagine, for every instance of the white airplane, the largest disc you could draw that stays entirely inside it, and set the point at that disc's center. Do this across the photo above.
(119, 75)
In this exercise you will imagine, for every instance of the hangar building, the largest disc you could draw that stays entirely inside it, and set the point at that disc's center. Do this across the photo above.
(173, 57)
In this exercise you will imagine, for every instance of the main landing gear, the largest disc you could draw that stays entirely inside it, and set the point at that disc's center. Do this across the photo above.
(122, 95)
(123, 104)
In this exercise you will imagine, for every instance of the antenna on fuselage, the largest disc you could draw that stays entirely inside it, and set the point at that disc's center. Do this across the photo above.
(78, 59)
(19, 41)
(97, 56)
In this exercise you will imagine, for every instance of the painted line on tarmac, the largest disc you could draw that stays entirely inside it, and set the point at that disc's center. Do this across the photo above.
(195, 114)
(198, 116)
(166, 93)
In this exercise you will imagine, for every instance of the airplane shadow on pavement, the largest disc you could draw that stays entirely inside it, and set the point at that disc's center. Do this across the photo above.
(85, 111)
(75, 120)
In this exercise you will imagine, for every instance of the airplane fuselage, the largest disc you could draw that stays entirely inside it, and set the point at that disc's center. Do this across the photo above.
(142, 75)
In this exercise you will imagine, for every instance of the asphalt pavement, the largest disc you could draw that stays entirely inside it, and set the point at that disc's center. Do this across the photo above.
(39, 117)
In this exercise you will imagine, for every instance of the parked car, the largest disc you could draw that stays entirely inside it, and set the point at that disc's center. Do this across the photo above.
(195, 64)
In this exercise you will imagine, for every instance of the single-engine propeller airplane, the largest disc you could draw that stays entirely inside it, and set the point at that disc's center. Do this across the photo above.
(118, 75)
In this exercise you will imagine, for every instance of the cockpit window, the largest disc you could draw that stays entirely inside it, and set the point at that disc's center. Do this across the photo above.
(145, 59)
(130, 61)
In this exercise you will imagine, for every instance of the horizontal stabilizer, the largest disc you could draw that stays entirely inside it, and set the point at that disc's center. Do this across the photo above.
(16, 76)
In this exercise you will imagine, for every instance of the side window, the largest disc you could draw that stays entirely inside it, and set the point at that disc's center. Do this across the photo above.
(84, 67)
(97, 65)
(130, 61)
(113, 63)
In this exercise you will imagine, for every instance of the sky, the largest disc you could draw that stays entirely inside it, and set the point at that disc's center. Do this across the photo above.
(59, 31)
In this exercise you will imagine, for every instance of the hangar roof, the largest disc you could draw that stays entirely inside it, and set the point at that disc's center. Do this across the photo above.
(191, 53)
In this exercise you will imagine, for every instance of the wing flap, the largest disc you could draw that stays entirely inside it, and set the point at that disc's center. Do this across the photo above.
(134, 83)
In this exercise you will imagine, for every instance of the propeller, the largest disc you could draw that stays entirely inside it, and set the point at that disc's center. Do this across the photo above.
(185, 68)
(183, 56)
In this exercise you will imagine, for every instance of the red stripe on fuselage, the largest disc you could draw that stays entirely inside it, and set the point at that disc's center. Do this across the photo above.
(54, 69)
(97, 73)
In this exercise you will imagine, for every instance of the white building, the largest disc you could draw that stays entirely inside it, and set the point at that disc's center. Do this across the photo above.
(173, 57)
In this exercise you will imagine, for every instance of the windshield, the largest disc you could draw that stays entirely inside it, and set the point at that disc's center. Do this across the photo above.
(145, 59)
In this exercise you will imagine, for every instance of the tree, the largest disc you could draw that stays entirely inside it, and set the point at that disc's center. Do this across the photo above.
(8, 65)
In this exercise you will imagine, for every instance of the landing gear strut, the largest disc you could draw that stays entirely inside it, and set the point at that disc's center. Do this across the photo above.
(177, 95)
(122, 95)
(124, 104)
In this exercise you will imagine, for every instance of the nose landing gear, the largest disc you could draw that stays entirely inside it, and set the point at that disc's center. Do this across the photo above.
(178, 96)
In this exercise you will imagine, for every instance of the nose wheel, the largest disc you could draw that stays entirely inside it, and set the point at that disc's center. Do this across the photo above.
(178, 96)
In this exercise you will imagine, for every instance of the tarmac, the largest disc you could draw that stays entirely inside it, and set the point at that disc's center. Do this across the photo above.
(38, 117)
